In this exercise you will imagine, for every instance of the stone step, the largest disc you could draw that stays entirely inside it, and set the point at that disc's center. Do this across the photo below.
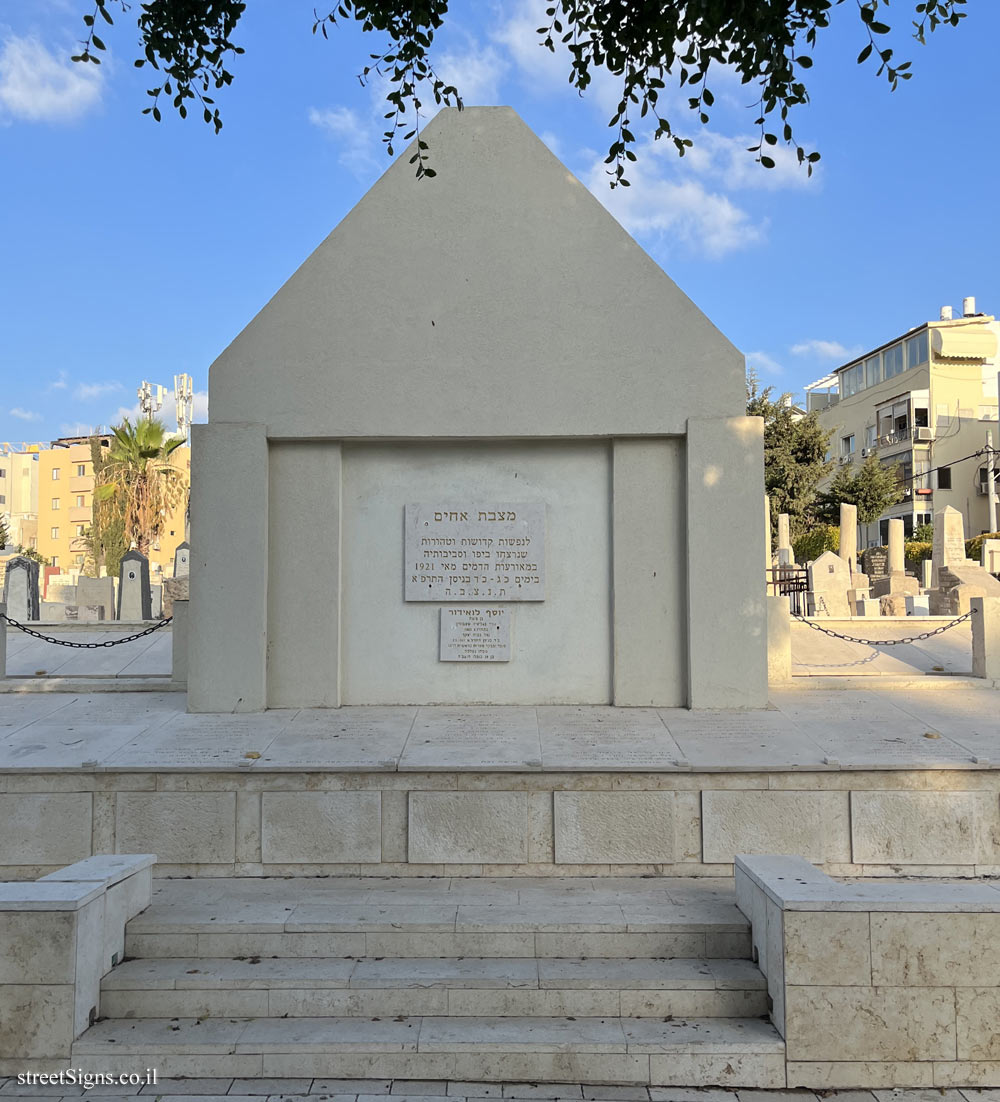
(743, 1052)
(438, 919)
(501, 987)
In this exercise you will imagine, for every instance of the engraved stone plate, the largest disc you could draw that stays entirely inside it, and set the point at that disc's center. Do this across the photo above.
(474, 553)
(477, 634)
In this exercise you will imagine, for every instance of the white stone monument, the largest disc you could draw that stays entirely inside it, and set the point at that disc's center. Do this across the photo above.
(20, 590)
(990, 556)
(490, 343)
(849, 536)
(957, 579)
(182, 560)
(785, 554)
(829, 581)
(134, 598)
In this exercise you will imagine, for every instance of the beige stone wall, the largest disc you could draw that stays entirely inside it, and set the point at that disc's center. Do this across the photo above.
(218, 823)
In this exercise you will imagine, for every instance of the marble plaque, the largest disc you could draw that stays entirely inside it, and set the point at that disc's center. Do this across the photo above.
(475, 634)
(490, 552)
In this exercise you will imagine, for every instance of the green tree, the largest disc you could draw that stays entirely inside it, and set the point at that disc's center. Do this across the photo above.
(873, 489)
(105, 538)
(4, 532)
(138, 480)
(794, 455)
(768, 43)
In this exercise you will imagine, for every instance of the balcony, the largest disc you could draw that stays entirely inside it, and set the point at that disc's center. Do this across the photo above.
(81, 514)
(81, 484)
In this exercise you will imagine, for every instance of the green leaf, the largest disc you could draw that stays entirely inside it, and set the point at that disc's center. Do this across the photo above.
(865, 54)
(767, 162)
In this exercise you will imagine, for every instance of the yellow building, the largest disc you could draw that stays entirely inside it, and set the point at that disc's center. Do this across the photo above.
(19, 493)
(925, 400)
(66, 505)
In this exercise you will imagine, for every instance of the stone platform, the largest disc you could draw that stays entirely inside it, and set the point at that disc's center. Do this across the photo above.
(876, 781)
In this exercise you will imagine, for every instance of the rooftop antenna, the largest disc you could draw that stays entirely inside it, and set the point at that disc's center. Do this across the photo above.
(184, 400)
(151, 397)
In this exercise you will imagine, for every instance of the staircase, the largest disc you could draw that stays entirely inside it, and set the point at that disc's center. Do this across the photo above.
(580, 980)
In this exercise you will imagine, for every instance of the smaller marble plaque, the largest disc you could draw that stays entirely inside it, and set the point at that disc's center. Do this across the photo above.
(480, 634)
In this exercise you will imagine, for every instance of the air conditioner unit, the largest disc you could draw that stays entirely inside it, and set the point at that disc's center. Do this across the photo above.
(864, 453)
(922, 435)
(908, 492)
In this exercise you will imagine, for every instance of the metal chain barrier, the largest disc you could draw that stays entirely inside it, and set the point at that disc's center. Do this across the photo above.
(883, 642)
(85, 646)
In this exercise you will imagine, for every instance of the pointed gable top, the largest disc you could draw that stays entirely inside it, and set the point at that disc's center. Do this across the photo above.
(497, 299)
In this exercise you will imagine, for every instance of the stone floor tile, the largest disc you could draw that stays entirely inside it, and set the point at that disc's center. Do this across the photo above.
(190, 1086)
(273, 1086)
(930, 1094)
(776, 1096)
(542, 1090)
(691, 1094)
(437, 1087)
(616, 1094)
(474, 1090)
(982, 1095)
(349, 1086)
(847, 1096)
(40, 1090)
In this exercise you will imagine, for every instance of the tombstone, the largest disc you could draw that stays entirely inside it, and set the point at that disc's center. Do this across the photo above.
(948, 546)
(918, 604)
(956, 579)
(156, 601)
(849, 535)
(990, 556)
(875, 562)
(96, 591)
(182, 560)
(485, 414)
(829, 581)
(926, 568)
(784, 533)
(896, 583)
(20, 589)
(134, 599)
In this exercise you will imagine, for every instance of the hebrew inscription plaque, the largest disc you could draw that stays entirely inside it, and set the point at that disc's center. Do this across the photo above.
(476, 634)
(492, 552)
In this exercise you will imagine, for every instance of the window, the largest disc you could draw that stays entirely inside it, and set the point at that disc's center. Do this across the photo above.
(847, 445)
(916, 349)
(873, 370)
(871, 436)
(81, 469)
(922, 518)
(55, 503)
(79, 560)
(944, 478)
(54, 533)
(3, 499)
(3, 472)
(79, 529)
(55, 474)
(55, 560)
(80, 501)
(920, 420)
(892, 359)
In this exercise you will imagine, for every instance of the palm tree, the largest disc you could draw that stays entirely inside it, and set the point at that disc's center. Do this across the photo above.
(138, 477)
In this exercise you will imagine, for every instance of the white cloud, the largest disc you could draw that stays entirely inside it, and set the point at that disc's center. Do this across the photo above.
(59, 384)
(355, 139)
(37, 85)
(826, 350)
(704, 221)
(87, 392)
(77, 428)
(728, 158)
(475, 72)
(25, 414)
(765, 364)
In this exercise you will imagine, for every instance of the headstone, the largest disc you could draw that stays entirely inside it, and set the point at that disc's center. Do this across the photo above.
(156, 601)
(897, 547)
(134, 599)
(918, 604)
(182, 560)
(926, 568)
(990, 556)
(948, 547)
(174, 589)
(96, 591)
(875, 561)
(784, 533)
(829, 581)
(20, 589)
(867, 606)
(849, 535)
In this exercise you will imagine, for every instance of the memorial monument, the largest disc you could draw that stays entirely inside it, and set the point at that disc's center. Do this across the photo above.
(505, 449)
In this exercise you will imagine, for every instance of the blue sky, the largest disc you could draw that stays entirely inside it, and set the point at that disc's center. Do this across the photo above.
(136, 251)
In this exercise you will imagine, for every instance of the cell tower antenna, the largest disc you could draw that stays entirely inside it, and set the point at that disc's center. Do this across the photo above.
(184, 401)
(151, 397)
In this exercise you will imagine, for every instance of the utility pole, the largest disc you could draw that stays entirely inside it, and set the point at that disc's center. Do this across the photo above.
(991, 502)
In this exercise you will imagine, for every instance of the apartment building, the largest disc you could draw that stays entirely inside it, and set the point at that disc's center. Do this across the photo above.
(924, 399)
(66, 504)
(19, 492)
